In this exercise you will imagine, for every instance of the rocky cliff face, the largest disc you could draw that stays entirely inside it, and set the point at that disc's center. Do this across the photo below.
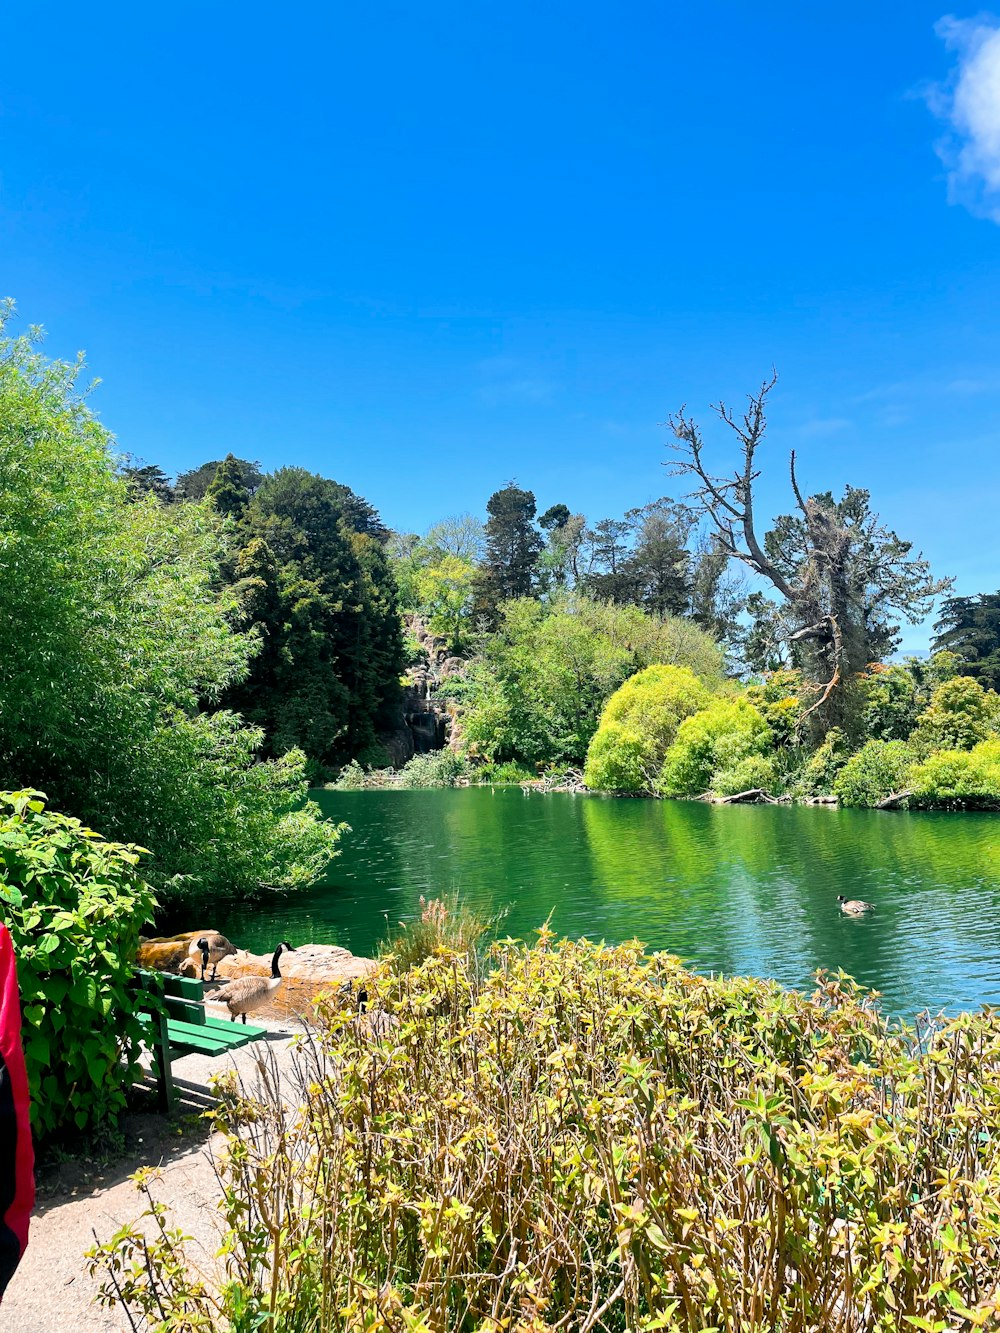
(427, 719)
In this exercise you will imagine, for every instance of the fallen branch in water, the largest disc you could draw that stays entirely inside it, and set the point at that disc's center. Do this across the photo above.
(894, 801)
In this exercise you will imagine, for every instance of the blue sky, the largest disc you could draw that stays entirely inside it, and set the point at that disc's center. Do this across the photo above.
(427, 249)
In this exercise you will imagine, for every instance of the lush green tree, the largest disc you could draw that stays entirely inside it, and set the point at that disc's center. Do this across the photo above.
(513, 545)
(537, 691)
(711, 750)
(75, 906)
(609, 573)
(560, 562)
(891, 702)
(194, 484)
(970, 628)
(228, 492)
(445, 590)
(318, 594)
(843, 579)
(660, 564)
(147, 479)
(638, 727)
(878, 770)
(960, 715)
(116, 645)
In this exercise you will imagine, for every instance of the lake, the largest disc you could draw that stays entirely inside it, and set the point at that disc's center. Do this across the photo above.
(734, 889)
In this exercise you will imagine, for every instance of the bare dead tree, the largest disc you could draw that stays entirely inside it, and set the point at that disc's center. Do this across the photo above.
(840, 575)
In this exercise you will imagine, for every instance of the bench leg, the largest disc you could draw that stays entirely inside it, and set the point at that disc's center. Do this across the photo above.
(161, 1067)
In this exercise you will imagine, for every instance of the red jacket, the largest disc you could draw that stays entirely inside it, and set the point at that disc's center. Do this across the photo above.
(17, 1157)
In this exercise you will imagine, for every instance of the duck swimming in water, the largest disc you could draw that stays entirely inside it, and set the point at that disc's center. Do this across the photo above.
(854, 906)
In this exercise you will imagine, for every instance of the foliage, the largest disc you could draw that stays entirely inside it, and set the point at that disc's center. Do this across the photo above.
(877, 770)
(749, 772)
(74, 905)
(317, 594)
(638, 726)
(195, 484)
(960, 715)
(777, 696)
(970, 628)
(713, 748)
(116, 643)
(538, 689)
(440, 768)
(452, 927)
(958, 779)
(508, 773)
(445, 592)
(891, 702)
(513, 545)
(591, 1139)
(819, 772)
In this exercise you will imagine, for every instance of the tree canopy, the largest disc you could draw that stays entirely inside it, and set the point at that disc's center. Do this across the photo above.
(116, 648)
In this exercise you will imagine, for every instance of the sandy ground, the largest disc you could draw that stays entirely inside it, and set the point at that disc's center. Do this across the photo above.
(51, 1291)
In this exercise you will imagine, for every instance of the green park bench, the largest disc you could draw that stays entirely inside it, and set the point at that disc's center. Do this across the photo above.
(184, 1028)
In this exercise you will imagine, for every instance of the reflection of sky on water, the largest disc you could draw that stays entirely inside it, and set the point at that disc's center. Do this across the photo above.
(731, 889)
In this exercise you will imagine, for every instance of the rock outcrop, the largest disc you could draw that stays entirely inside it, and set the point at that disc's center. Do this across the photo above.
(316, 964)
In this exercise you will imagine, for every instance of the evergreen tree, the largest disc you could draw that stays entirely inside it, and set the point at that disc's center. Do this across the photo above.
(147, 479)
(228, 492)
(318, 594)
(513, 545)
(193, 485)
(970, 628)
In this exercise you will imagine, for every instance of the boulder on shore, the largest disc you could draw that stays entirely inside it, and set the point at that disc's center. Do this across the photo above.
(316, 964)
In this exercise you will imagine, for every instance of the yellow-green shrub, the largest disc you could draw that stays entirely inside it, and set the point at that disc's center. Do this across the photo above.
(591, 1130)
(960, 715)
(638, 726)
(958, 779)
(713, 747)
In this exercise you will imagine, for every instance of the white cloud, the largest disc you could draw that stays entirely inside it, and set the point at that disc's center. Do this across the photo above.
(970, 104)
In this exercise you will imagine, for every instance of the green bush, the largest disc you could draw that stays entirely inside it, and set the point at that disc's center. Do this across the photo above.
(440, 768)
(958, 779)
(819, 772)
(638, 726)
(506, 774)
(960, 715)
(747, 774)
(591, 1139)
(74, 905)
(719, 739)
(877, 770)
(450, 926)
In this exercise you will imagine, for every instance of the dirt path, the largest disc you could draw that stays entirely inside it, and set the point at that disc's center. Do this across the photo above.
(51, 1291)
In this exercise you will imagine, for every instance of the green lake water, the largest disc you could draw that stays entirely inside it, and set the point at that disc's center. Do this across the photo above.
(734, 889)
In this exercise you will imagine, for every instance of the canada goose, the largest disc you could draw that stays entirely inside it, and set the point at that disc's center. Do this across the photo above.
(245, 994)
(854, 906)
(212, 948)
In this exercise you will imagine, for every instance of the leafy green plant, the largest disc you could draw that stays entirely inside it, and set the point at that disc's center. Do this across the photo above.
(960, 715)
(74, 905)
(719, 740)
(879, 769)
(958, 779)
(449, 925)
(638, 726)
(590, 1139)
(509, 773)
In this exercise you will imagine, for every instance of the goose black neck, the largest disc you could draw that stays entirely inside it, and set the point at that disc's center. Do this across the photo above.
(274, 961)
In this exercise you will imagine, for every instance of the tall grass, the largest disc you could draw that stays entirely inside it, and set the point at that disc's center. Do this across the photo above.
(442, 925)
(587, 1138)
